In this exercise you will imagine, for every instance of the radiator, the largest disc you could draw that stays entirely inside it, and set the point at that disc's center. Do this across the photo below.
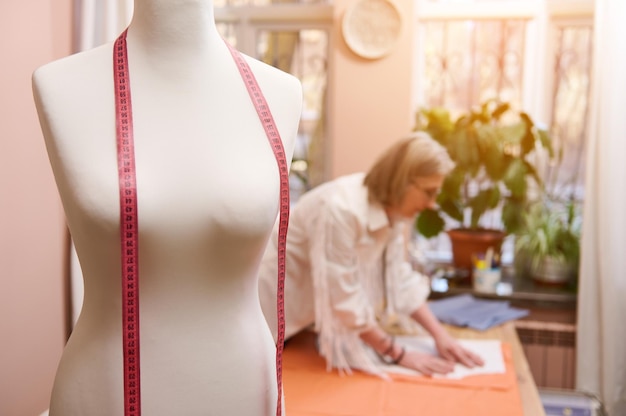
(550, 349)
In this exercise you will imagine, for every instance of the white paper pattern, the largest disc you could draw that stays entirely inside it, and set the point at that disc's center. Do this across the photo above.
(489, 350)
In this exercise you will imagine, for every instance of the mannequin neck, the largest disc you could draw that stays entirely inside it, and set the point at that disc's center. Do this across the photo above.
(165, 24)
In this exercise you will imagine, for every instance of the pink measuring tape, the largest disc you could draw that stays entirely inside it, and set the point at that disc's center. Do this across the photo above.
(129, 231)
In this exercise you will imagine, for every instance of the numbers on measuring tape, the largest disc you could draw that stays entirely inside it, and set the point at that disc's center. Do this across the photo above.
(129, 225)
(128, 229)
(265, 116)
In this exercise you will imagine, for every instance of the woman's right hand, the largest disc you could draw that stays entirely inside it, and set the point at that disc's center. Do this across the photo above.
(426, 364)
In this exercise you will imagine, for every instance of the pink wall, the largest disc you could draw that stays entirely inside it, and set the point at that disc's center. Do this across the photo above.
(32, 230)
(371, 98)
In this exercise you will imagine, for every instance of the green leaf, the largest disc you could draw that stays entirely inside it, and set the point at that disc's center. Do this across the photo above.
(515, 178)
(512, 134)
(452, 209)
(429, 223)
(494, 197)
(527, 144)
(460, 148)
(513, 215)
(491, 152)
(532, 172)
(500, 110)
(546, 141)
(482, 202)
(436, 122)
(526, 119)
(530, 139)
(451, 188)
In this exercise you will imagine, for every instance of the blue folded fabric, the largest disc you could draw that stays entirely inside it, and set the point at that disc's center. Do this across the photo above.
(481, 314)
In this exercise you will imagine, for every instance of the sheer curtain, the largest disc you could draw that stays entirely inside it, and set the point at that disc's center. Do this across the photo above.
(95, 22)
(100, 21)
(601, 353)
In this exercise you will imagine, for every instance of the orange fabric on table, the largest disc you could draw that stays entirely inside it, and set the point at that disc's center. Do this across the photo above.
(310, 390)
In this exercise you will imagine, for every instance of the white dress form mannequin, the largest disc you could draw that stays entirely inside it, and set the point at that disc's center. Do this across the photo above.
(208, 188)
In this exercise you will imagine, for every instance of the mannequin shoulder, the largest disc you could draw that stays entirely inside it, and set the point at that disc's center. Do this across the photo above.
(73, 73)
(284, 96)
(276, 83)
(74, 95)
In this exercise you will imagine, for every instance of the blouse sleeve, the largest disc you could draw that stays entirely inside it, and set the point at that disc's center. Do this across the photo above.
(409, 288)
(342, 309)
(336, 263)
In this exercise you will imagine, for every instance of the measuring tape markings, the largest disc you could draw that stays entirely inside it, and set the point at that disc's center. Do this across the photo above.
(129, 230)
(129, 220)
(276, 142)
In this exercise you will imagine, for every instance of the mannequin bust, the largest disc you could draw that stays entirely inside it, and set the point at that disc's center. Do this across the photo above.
(208, 197)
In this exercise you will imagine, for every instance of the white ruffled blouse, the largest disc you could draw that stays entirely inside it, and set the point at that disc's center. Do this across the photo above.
(335, 279)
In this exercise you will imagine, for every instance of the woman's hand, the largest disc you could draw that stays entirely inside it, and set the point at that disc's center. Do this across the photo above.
(450, 350)
(384, 345)
(448, 347)
(425, 363)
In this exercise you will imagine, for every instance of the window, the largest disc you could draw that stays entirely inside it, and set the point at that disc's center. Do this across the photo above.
(293, 37)
(534, 55)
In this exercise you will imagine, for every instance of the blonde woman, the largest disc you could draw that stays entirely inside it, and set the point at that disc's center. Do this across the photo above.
(347, 269)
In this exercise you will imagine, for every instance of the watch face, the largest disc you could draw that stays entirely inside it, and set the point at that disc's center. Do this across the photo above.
(372, 27)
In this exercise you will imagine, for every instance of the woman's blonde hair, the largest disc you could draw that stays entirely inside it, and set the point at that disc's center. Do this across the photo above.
(409, 158)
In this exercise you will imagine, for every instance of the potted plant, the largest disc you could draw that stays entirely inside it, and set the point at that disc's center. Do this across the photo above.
(547, 248)
(493, 148)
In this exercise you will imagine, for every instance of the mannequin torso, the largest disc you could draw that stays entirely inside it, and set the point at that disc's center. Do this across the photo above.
(208, 197)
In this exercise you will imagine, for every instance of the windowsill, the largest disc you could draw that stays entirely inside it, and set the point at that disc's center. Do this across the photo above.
(511, 287)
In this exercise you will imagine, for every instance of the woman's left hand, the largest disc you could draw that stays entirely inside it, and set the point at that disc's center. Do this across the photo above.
(450, 349)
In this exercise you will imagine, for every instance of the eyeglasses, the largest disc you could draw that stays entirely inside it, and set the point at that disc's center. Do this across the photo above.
(431, 193)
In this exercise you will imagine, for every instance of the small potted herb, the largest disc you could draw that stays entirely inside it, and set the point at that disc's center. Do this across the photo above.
(547, 248)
